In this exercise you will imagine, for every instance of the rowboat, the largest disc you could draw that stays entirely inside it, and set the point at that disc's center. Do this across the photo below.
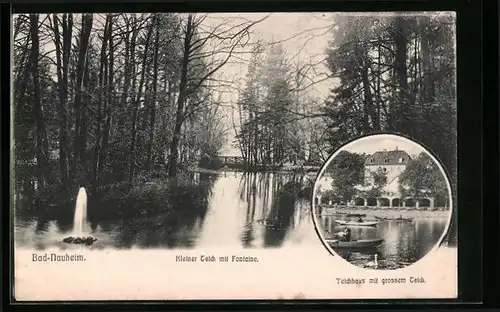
(347, 214)
(356, 223)
(402, 219)
(356, 215)
(395, 219)
(332, 212)
(362, 243)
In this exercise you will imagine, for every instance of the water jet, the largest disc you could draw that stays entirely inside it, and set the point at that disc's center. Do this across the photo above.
(80, 221)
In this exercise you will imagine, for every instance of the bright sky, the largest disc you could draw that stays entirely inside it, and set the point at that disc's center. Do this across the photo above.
(303, 36)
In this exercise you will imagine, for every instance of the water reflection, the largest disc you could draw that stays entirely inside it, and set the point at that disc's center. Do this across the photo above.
(250, 210)
(404, 242)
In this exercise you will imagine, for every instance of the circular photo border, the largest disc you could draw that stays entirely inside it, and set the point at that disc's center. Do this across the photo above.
(424, 148)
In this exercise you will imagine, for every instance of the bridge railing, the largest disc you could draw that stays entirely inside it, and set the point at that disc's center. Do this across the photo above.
(232, 159)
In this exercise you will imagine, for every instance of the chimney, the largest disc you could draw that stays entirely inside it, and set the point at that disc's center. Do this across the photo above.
(396, 148)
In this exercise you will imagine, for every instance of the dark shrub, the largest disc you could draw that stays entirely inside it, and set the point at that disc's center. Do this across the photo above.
(210, 163)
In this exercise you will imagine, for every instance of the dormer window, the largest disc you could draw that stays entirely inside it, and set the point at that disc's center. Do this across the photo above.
(401, 159)
(371, 160)
(386, 160)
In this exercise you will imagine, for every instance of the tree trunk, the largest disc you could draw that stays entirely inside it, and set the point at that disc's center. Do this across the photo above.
(144, 116)
(133, 69)
(41, 134)
(378, 126)
(137, 104)
(126, 77)
(179, 117)
(152, 115)
(404, 108)
(22, 72)
(84, 121)
(368, 109)
(62, 60)
(108, 105)
(87, 20)
(428, 83)
(67, 41)
(100, 101)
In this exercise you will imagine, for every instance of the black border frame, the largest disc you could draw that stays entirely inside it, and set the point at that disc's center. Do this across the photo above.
(469, 94)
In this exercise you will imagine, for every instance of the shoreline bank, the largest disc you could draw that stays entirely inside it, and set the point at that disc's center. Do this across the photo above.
(385, 212)
(304, 170)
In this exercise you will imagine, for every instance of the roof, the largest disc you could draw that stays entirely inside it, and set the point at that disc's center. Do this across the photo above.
(387, 158)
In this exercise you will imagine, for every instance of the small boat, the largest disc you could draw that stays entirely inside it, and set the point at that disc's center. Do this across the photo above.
(403, 219)
(356, 215)
(362, 243)
(343, 214)
(356, 223)
(395, 219)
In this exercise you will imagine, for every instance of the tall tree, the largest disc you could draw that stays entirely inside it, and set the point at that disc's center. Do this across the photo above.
(402, 109)
(41, 134)
(137, 102)
(110, 91)
(422, 177)
(388, 72)
(102, 99)
(63, 49)
(198, 66)
(152, 105)
(78, 139)
(347, 171)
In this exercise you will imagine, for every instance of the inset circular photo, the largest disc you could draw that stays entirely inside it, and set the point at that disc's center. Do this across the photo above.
(382, 202)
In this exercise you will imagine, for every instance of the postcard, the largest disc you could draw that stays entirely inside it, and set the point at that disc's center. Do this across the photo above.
(216, 156)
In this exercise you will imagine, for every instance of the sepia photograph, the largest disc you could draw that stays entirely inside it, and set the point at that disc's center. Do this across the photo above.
(140, 130)
(189, 144)
(382, 202)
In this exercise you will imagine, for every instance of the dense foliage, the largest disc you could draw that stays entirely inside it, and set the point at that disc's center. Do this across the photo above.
(378, 182)
(422, 177)
(101, 99)
(394, 73)
(347, 170)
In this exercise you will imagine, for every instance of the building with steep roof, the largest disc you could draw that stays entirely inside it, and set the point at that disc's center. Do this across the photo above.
(392, 163)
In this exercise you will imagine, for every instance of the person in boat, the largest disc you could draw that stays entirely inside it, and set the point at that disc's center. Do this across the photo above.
(347, 235)
(340, 235)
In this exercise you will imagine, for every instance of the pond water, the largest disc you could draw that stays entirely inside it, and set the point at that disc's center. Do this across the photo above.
(404, 242)
(242, 210)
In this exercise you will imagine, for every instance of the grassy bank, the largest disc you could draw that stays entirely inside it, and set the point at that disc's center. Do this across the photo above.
(121, 200)
(149, 199)
(387, 212)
